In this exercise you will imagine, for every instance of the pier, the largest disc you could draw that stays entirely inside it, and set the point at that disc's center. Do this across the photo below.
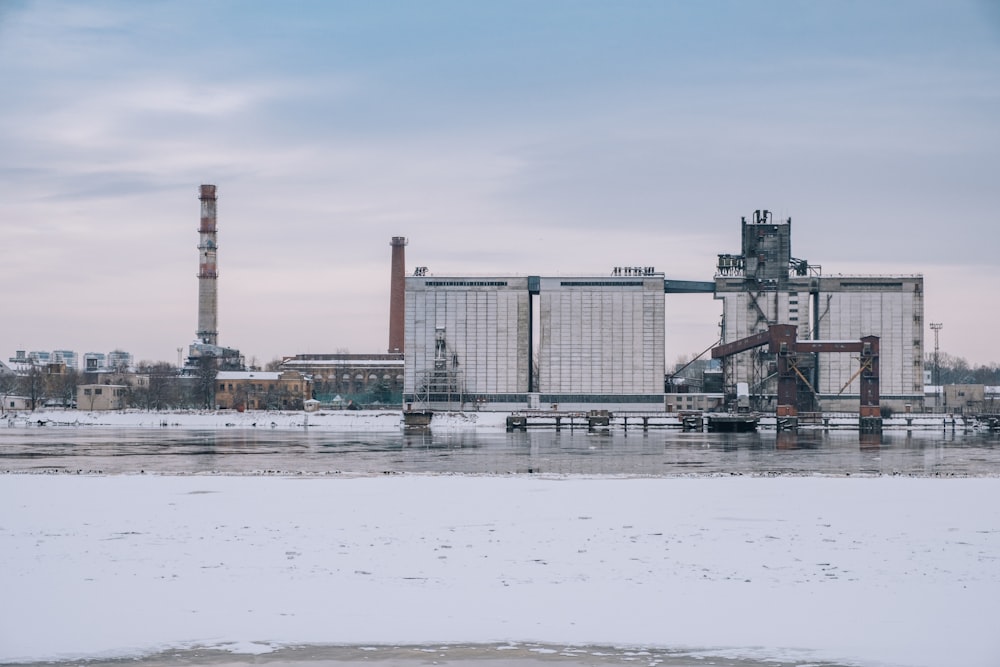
(604, 420)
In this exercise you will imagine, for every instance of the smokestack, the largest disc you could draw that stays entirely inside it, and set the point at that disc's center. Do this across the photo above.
(208, 272)
(397, 294)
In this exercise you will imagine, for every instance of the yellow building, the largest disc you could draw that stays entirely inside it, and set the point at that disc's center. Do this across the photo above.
(101, 396)
(262, 390)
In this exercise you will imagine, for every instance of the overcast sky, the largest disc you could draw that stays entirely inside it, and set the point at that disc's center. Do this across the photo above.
(530, 137)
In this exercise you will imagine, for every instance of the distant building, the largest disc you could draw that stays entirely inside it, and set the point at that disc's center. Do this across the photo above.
(94, 361)
(694, 402)
(101, 396)
(362, 379)
(119, 359)
(39, 357)
(15, 403)
(67, 357)
(262, 390)
(224, 358)
(964, 398)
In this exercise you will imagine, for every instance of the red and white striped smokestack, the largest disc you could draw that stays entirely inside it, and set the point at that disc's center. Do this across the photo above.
(397, 294)
(208, 270)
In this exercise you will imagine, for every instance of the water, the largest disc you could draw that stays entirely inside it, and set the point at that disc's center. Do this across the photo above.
(172, 450)
(655, 453)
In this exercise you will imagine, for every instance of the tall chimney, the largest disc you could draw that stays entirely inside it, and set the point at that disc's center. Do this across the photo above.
(397, 294)
(208, 271)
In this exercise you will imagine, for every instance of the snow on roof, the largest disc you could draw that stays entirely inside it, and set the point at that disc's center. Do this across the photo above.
(342, 362)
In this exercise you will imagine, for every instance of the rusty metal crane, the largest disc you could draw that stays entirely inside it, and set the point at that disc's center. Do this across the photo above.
(781, 342)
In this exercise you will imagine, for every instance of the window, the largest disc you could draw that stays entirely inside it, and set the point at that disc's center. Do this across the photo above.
(98, 391)
(86, 392)
(222, 386)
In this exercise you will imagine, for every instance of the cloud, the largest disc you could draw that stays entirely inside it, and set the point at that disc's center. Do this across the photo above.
(561, 139)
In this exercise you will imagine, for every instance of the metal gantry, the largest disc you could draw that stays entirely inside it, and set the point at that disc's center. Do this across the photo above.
(781, 341)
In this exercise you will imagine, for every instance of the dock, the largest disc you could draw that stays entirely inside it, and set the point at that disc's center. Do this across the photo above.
(603, 420)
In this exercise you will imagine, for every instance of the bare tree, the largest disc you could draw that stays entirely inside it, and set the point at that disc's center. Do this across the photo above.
(162, 390)
(8, 386)
(956, 370)
(33, 384)
(61, 387)
(204, 388)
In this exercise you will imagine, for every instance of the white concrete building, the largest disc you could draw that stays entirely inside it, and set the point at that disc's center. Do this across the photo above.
(602, 340)
(467, 341)
(890, 307)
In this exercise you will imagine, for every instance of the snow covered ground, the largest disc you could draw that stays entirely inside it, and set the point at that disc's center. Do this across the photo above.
(873, 571)
(341, 420)
(376, 420)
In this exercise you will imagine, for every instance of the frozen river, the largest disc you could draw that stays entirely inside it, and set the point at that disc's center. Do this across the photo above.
(765, 549)
(656, 453)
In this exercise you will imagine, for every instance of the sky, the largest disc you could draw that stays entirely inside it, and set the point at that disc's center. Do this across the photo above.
(564, 137)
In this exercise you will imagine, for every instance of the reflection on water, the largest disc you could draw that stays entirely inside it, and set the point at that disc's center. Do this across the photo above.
(653, 453)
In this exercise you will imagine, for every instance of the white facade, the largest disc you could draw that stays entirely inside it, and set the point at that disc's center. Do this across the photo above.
(93, 361)
(601, 336)
(471, 334)
(834, 308)
(890, 307)
(601, 342)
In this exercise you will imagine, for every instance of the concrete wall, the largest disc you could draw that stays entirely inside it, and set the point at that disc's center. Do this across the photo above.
(890, 307)
(964, 398)
(100, 396)
(601, 335)
(486, 324)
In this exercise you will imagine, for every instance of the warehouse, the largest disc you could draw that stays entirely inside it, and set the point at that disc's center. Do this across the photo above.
(467, 341)
(597, 342)
(528, 342)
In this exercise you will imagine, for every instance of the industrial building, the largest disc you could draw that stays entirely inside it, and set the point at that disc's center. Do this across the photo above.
(602, 339)
(467, 341)
(765, 285)
(262, 390)
(206, 346)
(470, 341)
(343, 379)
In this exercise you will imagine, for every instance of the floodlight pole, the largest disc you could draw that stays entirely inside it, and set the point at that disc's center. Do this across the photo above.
(936, 327)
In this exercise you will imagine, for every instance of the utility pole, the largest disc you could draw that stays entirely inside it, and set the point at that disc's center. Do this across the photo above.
(936, 327)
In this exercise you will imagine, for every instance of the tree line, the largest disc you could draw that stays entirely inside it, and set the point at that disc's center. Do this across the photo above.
(956, 370)
(150, 386)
